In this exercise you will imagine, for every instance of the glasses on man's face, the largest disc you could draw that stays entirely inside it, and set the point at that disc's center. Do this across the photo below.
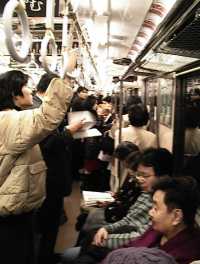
(140, 174)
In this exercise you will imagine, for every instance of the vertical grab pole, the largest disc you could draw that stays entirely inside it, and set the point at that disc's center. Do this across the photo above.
(120, 127)
(120, 110)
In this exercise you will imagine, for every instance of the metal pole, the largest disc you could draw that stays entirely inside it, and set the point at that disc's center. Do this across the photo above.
(120, 110)
(120, 127)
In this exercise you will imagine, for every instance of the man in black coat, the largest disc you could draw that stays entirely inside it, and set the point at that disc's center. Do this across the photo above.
(56, 151)
(78, 99)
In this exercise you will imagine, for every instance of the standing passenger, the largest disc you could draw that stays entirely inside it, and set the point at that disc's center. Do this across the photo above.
(136, 133)
(57, 155)
(78, 99)
(22, 169)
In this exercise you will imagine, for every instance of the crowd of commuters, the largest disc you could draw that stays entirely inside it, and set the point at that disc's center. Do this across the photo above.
(153, 213)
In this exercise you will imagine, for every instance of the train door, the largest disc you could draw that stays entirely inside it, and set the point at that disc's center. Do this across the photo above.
(151, 89)
(165, 112)
(187, 116)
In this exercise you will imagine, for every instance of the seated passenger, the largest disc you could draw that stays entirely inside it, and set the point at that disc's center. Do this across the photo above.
(106, 213)
(141, 255)
(152, 164)
(124, 198)
(173, 230)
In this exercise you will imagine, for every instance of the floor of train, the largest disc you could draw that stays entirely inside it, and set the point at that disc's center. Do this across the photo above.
(67, 234)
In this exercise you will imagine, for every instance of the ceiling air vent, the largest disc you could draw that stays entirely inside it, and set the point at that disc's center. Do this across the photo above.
(185, 42)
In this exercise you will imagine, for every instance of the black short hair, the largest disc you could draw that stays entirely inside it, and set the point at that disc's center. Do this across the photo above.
(138, 115)
(159, 158)
(45, 81)
(182, 193)
(81, 89)
(132, 160)
(107, 99)
(124, 149)
(11, 84)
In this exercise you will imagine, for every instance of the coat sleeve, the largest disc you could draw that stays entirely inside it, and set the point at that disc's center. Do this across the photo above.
(137, 218)
(30, 126)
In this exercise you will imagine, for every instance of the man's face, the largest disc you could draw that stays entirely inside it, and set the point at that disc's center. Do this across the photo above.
(83, 94)
(146, 177)
(163, 219)
(26, 100)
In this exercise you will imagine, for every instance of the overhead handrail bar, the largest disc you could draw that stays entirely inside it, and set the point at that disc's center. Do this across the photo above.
(11, 7)
(80, 32)
(170, 23)
(49, 39)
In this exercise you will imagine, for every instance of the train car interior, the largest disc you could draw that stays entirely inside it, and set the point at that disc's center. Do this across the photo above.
(116, 84)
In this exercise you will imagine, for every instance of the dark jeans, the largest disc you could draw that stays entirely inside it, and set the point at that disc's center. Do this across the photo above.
(17, 239)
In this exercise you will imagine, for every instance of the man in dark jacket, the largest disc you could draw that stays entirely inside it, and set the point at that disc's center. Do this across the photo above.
(57, 155)
(78, 99)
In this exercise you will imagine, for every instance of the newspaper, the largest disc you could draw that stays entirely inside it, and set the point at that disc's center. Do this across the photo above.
(88, 120)
(91, 198)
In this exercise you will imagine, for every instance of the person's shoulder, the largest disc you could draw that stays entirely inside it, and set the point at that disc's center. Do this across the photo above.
(128, 128)
(151, 134)
(144, 196)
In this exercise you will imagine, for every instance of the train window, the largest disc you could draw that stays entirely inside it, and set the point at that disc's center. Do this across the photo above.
(192, 116)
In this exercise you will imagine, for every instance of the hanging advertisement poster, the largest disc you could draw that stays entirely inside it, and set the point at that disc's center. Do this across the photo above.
(34, 8)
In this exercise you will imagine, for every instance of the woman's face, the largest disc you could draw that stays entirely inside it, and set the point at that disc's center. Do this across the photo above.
(146, 177)
(26, 100)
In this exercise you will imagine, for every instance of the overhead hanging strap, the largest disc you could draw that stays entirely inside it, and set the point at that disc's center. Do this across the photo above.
(49, 40)
(17, 6)
(32, 64)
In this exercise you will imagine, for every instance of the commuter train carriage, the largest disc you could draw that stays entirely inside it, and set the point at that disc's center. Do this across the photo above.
(114, 50)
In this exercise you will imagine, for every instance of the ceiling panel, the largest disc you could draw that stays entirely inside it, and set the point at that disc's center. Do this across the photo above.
(122, 20)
